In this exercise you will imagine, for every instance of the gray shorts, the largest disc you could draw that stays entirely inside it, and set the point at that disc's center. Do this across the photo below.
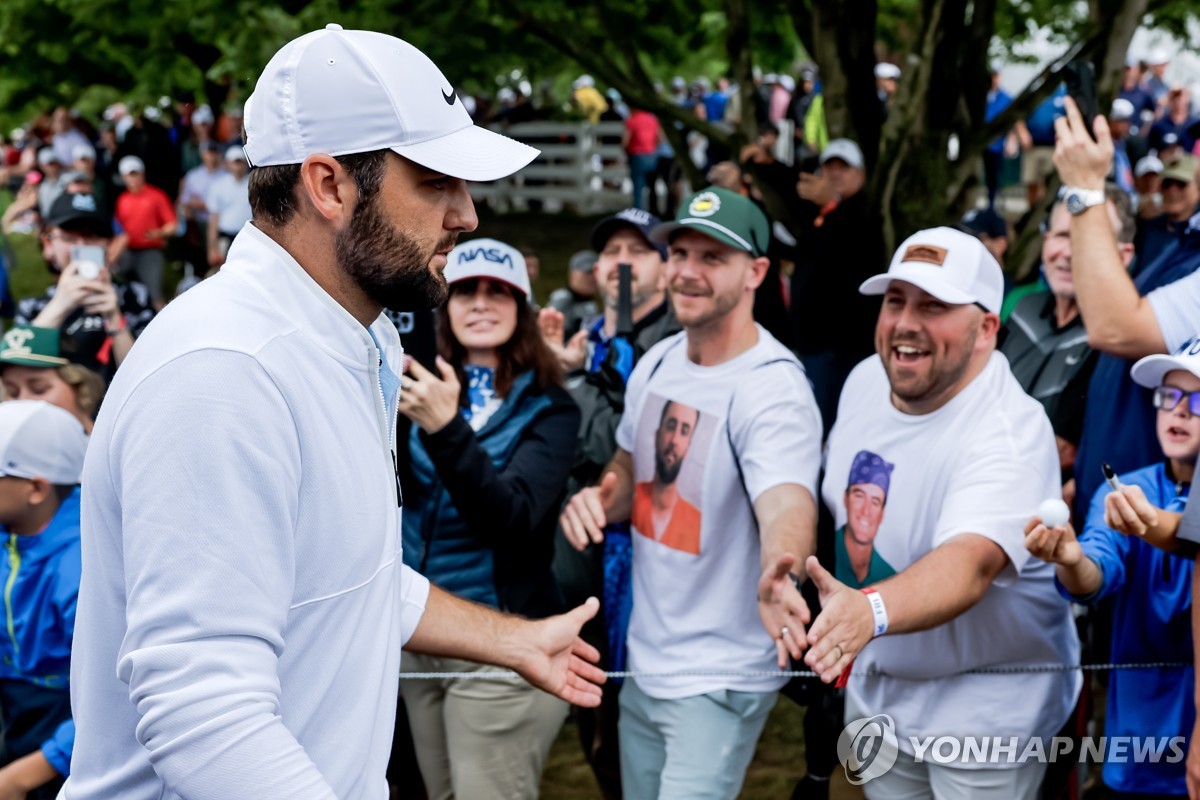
(147, 266)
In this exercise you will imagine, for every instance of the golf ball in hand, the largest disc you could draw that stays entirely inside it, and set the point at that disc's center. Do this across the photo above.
(1053, 512)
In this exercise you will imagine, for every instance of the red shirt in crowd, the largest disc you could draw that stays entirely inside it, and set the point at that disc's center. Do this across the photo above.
(642, 127)
(138, 212)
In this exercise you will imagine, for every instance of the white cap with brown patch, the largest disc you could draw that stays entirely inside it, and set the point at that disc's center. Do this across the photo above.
(951, 265)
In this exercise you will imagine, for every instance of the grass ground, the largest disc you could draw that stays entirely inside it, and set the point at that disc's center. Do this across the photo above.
(778, 763)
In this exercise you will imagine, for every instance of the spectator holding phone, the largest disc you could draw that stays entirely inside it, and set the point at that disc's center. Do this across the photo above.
(1152, 589)
(490, 449)
(96, 319)
(1126, 317)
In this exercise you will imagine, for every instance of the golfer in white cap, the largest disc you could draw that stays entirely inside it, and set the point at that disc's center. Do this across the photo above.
(243, 602)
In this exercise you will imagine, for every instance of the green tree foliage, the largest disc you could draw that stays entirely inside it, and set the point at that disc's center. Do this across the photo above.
(89, 52)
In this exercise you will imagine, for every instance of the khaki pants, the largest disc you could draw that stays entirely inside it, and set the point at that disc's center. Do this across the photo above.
(479, 739)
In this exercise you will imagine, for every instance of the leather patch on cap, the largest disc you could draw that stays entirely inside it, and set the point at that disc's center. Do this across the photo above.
(927, 253)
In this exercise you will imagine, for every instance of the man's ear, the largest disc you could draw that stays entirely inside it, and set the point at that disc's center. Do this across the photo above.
(40, 490)
(328, 188)
(989, 327)
(758, 272)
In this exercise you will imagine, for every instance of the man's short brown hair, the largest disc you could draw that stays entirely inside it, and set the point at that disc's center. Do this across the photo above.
(273, 189)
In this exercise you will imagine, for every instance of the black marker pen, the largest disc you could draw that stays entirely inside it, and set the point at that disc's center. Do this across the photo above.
(1110, 477)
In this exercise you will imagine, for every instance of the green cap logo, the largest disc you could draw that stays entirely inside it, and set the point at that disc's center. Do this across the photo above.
(704, 204)
(29, 346)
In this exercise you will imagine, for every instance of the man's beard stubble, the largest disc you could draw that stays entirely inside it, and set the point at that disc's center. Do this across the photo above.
(666, 473)
(388, 264)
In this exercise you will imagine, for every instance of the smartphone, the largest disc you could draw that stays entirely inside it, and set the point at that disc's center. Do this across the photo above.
(90, 259)
(1081, 86)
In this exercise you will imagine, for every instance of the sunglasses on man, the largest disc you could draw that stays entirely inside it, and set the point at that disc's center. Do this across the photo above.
(1166, 398)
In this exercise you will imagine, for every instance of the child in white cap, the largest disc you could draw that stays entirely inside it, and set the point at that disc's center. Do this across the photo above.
(1152, 587)
(41, 459)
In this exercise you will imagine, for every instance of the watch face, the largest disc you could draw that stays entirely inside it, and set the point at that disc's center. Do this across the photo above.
(1075, 204)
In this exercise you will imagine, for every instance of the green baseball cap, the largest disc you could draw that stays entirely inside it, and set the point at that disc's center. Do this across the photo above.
(27, 346)
(723, 215)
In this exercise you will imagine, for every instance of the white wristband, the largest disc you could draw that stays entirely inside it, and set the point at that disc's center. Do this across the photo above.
(878, 611)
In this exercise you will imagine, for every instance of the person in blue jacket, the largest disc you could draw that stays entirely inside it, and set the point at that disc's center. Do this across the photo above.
(490, 451)
(1152, 588)
(41, 459)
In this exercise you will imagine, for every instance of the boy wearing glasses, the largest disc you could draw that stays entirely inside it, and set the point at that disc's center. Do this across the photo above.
(1151, 587)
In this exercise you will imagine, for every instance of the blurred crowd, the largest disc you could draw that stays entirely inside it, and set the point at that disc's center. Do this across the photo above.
(719, 415)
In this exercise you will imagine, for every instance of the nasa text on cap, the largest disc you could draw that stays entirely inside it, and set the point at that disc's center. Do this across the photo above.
(488, 258)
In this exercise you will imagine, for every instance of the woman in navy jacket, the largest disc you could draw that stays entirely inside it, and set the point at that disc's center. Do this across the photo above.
(491, 446)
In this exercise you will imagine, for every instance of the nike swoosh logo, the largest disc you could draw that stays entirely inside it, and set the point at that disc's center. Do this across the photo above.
(450, 98)
(1073, 360)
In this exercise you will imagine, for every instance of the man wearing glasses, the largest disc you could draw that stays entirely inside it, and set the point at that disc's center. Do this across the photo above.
(97, 319)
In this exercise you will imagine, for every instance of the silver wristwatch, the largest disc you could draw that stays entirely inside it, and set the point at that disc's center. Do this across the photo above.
(1080, 200)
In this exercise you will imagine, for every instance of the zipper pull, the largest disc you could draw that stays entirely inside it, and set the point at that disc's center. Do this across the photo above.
(399, 491)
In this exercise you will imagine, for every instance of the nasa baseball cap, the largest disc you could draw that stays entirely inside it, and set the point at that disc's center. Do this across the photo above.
(951, 265)
(339, 92)
(723, 215)
(40, 440)
(488, 258)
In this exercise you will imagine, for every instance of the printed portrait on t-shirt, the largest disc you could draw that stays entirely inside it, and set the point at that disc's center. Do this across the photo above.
(858, 562)
(672, 446)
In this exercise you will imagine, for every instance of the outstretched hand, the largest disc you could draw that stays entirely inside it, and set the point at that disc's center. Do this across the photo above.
(560, 662)
(843, 627)
(585, 514)
(783, 610)
(570, 354)
(1054, 545)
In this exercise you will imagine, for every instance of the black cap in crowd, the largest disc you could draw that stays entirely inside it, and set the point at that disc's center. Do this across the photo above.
(79, 212)
(985, 221)
(641, 221)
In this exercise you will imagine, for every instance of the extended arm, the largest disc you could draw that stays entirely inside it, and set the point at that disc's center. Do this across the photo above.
(787, 524)
(1119, 320)
(548, 653)
(943, 584)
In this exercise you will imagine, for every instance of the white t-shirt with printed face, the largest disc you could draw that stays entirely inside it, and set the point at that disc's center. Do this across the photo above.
(696, 554)
(981, 464)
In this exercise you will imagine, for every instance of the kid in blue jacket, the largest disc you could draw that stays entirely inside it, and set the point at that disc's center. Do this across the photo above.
(1152, 588)
(41, 459)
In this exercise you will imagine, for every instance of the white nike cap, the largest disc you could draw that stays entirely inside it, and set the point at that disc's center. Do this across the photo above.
(339, 92)
(39, 440)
